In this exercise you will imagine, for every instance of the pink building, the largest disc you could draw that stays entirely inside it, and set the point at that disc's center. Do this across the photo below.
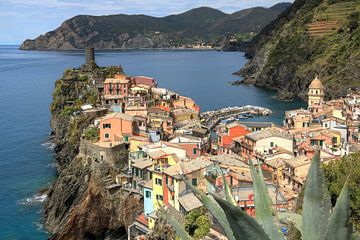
(114, 126)
(116, 89)
(144, 81)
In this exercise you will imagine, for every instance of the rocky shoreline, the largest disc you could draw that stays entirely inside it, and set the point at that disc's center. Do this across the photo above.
(78, 205)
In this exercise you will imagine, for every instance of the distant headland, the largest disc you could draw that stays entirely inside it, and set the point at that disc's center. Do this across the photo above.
(200, 28)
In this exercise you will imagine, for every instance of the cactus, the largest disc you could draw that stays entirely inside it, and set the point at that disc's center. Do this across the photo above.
(318, 220)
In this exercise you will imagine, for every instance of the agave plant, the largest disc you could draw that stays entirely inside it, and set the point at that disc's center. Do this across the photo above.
(318, 220)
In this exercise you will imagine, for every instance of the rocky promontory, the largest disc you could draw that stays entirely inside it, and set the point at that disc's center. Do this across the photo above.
(200, 26)
(81, 203)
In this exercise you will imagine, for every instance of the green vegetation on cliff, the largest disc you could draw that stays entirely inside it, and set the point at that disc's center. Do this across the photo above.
(314, 37)
(140, 31)
(336, 173)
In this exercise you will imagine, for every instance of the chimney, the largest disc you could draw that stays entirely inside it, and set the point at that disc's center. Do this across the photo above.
(90, 58)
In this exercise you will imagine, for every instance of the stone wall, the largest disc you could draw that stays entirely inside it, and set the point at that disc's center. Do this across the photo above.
(116, 156)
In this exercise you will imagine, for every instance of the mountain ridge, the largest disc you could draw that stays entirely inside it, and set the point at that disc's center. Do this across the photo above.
(311, 38)
(121, 31)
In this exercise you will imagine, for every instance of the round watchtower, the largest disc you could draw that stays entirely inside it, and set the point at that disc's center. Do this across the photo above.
(89, 57)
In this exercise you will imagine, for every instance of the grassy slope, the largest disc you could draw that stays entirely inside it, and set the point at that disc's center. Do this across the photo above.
(292, 57)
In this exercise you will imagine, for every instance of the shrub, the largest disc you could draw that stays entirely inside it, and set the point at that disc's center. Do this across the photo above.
(92, 134)
(197, 223)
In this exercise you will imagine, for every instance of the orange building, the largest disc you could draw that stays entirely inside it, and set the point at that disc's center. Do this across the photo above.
(116, 89)
(113, 127)
(186, 102)
(232, 130)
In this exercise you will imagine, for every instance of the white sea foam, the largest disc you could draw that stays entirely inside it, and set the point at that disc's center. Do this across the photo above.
(53, 165)
(37, 198)
(48, 144)
(39, 226)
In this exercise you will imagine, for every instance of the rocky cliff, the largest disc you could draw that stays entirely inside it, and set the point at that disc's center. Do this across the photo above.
(79, 204)
(141, 31)
(312, 37)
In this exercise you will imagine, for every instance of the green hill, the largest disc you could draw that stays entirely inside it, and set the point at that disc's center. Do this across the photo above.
(121, 31)
(313, 37)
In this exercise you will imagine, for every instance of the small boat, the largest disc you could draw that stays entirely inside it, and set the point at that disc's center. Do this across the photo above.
(241, 117)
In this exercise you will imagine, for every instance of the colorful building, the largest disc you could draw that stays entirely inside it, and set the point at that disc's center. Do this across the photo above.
(263, 142)
(174, 188)
(116, 89)
(115, 126)
(230, 132)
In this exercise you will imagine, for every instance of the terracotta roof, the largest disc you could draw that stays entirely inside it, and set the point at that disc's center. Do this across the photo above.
(297, 161)
(149, 184)
(275, 162)
(187, 167)
(119, 78)
(267, 133)
(142, 219)
(144, 80)
(118, 115)
(229, 160)
(157, 154)
(142, 164)
(234, 124)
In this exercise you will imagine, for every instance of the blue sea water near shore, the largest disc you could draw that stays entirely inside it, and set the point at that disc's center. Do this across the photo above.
(27, 81)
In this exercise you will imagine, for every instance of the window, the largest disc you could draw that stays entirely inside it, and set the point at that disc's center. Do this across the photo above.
(194, 151)
(159, 198)
(158, 181)
(107, 135)
(147, 194)
(117, 91)
(194, 181)
(106, 125)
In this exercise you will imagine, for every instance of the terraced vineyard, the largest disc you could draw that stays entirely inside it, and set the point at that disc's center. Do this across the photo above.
(330, 19)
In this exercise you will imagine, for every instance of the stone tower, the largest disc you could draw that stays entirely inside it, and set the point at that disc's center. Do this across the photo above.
(316, 93)
(90, 63)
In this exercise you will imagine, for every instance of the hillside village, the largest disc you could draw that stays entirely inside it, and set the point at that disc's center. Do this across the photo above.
(153, 135)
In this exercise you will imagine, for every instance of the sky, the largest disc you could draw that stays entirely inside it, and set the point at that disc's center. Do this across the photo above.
(22, 19)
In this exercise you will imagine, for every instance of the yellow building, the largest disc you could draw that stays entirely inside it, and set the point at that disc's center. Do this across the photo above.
(161, 161)
(316, 93)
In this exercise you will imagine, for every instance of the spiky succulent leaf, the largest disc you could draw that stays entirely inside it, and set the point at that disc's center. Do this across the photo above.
(293, 218)
(229, 197)
(213, 208)
(317, 205)
(263, 204)
(340, 226)
(244, 226)
(355, 236)
(180, 230)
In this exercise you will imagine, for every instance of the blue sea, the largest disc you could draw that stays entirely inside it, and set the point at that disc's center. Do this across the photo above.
(26, 83)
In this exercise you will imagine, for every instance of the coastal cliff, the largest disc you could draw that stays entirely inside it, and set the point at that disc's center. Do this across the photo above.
(201, 25)
(311, 38)
(80, 204)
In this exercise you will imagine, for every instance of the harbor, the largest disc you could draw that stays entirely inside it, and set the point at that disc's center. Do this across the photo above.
(237, 113)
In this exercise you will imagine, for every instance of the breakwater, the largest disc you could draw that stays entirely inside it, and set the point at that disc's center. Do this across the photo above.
(212, 118)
